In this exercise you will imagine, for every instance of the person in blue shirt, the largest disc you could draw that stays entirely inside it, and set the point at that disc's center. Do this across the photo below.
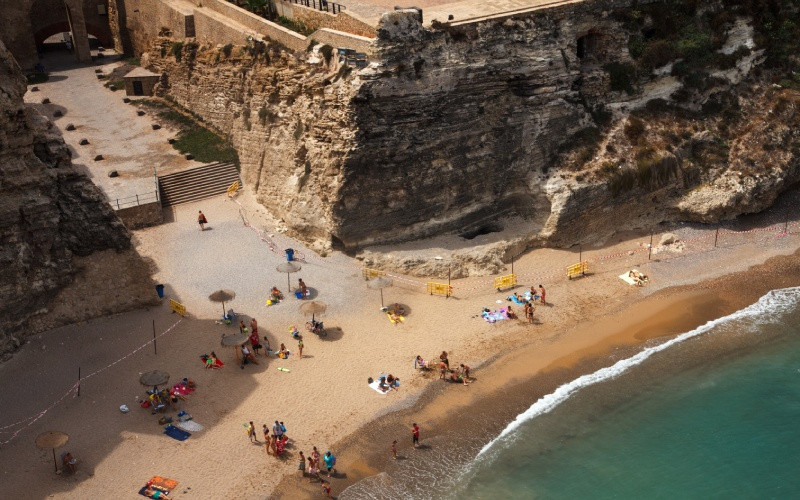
(330, 462)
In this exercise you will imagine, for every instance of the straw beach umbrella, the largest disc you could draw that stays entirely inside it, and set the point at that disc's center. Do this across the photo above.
(234, 340)
(222, 296)
(51, 440)
(313, 308)
(380, 283)
(288, 268)
(155, 377)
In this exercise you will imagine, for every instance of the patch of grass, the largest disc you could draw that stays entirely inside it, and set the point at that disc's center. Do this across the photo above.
(38, 78)
(205, 145)
(134, 61)
(298, 130)
(118, 85)
(227, 49)
(621, 182)
(295, 25)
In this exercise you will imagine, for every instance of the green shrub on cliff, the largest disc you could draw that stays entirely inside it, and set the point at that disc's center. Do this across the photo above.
(177, 50)
(227, 49)
(327, 52)
(623, 75)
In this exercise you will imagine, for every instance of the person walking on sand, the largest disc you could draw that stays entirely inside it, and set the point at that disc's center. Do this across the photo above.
(330, 462)
(267, 439)
(529, 312)
(415, 435)
(251, 432)
(394, 449)
(278, 429)
(313, 470)
(326, 489)
(315, 457)
(443, 357)
(300, 349)
(201, 219)
(541, 295)
(301, 466)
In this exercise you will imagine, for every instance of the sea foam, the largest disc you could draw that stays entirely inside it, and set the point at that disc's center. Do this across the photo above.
(768, 309)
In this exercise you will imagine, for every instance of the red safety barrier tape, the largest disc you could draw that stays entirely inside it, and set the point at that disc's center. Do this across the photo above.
(27, 422)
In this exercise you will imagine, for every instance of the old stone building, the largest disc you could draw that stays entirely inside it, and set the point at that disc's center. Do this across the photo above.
(26, 24)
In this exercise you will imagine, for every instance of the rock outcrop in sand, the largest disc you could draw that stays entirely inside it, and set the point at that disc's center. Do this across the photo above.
(65, 255)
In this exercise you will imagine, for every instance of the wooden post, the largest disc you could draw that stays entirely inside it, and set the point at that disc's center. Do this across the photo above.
(447, 295)
(155, 347)
(716, 237)
(79, 381)
(650, 248)
(580, 253)
(512, 265)
(786, 223)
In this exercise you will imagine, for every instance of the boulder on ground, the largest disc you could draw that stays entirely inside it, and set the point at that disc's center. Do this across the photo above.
(113, 173)
(156, 126)
(83, 142)
(668, 239)
(98, 158)
(70, 126)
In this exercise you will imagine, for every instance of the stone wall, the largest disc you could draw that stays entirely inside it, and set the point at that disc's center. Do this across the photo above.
(145, 215)
(316, 19)
(52, 218)
(136, 22)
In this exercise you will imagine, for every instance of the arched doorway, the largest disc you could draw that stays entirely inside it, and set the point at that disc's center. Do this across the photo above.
(79, 18)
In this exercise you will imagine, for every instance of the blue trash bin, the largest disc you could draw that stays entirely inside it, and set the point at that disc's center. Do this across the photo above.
(160, 291)
(289, 254)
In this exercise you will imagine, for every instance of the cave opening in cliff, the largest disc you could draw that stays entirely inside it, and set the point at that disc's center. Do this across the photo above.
(492, 227)
(589, 46)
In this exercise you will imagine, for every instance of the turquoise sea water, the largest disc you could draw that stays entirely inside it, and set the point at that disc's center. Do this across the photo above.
(726, 427)
(711, 413)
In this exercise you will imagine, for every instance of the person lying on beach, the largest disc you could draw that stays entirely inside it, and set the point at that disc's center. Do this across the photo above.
(420, 363)
(639, 278)
(397, 309)
(154, 493)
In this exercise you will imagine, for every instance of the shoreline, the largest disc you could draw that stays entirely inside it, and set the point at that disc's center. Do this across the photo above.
(520, 378)
(330, 380)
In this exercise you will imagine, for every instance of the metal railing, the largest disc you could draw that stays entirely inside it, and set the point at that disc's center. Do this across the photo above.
(323, 5)
(134, 201)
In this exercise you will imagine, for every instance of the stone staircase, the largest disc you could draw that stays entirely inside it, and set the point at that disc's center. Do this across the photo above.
(196, 183)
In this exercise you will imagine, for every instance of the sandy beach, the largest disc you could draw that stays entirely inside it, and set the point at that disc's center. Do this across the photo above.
(324, 399)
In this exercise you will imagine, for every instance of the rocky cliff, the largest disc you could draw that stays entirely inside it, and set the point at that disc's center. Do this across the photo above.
(55, 227)
(594, 114)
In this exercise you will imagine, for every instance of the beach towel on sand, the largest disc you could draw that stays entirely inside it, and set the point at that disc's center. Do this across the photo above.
(175, 433)
(629, 279)
(374, 386)
(494, 316)
(190, 426)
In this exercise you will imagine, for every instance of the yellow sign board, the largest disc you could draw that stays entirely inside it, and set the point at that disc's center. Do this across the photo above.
(369, 273)
(177, 307)
(506, 281)
(578, 269)
(233, 188)
(439, 289)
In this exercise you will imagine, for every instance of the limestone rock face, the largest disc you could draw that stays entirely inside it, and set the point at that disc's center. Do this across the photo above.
(454, 127)
(50, 215)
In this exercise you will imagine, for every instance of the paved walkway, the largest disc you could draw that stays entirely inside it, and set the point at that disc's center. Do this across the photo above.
(127, 142)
